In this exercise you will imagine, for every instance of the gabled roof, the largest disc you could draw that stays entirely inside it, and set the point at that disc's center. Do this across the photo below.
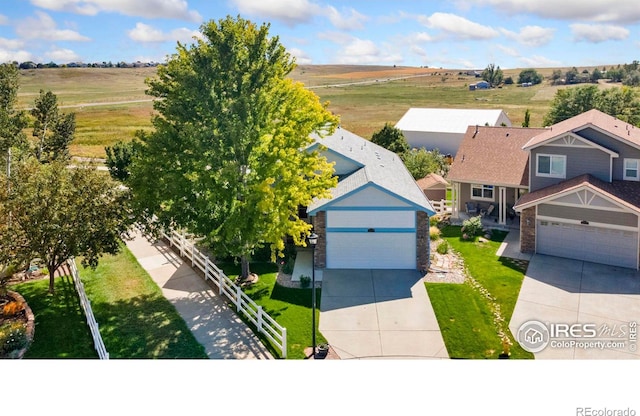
(430, 180)
(594, 119)
(447, 120)
(624, 192)
(493, 155)
(380, 168)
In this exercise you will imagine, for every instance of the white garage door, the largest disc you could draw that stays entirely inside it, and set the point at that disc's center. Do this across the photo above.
(588, 243)
(377, 250)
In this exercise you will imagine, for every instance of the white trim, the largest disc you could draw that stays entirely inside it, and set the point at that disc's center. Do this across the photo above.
(591, 223)
(551, 157)
(570, 139)
(482, 190)
(566, 204)
(624, 170)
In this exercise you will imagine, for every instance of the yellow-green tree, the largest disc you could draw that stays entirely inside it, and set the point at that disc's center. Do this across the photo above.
(227, 157)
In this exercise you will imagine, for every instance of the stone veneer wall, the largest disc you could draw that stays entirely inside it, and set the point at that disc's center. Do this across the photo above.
(320, 228)
(422, 241)
(528, 230)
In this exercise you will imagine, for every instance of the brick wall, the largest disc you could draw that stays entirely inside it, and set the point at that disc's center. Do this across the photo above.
(422, 241)
(528, 230)
(320, 228)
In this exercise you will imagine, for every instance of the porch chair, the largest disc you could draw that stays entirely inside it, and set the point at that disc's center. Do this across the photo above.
(471, 208)
(488, 211)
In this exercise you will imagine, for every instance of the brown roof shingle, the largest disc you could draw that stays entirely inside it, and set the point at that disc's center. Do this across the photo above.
(493, 155)
(617, 127)
(624, 191)
(431, 180)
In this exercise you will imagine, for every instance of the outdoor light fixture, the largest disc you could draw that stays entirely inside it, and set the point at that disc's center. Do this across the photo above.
(313, 240)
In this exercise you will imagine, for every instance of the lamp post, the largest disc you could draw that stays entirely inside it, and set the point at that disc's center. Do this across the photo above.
(313, 240)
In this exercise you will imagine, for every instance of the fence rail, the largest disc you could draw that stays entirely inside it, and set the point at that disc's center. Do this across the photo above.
(86, 306)
(442, 207)
(264, 323)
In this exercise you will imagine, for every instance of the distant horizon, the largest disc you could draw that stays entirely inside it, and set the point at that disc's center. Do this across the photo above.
(461, 34)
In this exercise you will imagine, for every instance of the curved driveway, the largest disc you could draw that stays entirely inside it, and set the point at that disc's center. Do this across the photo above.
(379, 314)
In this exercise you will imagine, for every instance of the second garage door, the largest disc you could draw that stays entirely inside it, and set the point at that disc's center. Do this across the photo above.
(376, 250)
(588, 243)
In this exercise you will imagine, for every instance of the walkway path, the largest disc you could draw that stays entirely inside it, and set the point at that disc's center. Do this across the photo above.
(207, 315)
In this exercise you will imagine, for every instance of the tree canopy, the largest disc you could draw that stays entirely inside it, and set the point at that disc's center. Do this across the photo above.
(493, 75)
(391, 138)
(530, 75)
(622, 103)
(226, 159)
(54, 132)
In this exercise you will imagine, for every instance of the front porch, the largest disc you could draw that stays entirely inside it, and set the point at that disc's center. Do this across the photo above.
(493, 202)
(489, 222)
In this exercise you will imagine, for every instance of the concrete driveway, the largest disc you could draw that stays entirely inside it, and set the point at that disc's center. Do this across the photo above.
(558, 291)
(379, 314)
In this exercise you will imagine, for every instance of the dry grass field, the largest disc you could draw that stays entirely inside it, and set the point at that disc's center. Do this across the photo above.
(110, 103)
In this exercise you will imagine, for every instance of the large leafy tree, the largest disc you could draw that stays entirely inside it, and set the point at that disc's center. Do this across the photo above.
(57, 213)
(12, 121)
(421, 162)
(52, 130)
(227, 157)
(493, 75)
(622, 103)
(391, 138)
(529, 75)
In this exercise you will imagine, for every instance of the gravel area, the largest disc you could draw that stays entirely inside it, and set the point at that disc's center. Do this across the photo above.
(445, 268)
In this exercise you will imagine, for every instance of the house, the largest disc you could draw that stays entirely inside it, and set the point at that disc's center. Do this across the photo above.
(377, 217)
(482, 85)
(490, 168)
(444, 128)
(433, 186)
(584, 183)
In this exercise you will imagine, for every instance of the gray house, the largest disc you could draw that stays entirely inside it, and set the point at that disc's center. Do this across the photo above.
(584, 191)
(377, 217)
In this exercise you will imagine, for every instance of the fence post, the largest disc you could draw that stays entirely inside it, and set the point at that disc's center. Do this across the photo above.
(206, 268)
(259, 318)
(181, 239)
(238, 298)
(284, 343)
(193, 261)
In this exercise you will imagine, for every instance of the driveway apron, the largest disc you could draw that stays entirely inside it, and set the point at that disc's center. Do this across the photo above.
(379, 314)
(564, 291)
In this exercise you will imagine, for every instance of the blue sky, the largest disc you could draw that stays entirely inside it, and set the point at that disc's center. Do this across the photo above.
(449, 34)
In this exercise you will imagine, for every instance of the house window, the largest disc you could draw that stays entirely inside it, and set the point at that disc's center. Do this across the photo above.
(631, 169)
(553, 166)
(483, 192)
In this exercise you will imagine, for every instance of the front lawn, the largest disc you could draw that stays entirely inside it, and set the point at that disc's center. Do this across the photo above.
(464, 314)
(136, 320)
(289, 306)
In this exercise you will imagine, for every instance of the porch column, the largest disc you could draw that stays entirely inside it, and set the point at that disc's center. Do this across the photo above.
(455, 200)
(502, 205)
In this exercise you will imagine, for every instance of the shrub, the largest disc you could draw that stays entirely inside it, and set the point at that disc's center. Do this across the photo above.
(13, 336)
(305, 281)
(434, 232)
(287, 266)
(472, 226)
(434, 220)
(12, 308)
(443, 247)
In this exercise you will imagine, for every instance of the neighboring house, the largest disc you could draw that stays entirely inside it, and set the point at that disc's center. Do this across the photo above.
(444, 128)
(490, 168)
(584, 200)
(482, 85)
(378, 217)
(434, 186)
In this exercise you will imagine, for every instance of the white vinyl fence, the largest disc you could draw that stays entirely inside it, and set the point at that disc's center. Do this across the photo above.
(264, 323)
(86, 305)
(442, 207)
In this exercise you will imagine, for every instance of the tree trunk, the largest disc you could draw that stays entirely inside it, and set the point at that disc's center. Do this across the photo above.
(52, 272)
(244, 264)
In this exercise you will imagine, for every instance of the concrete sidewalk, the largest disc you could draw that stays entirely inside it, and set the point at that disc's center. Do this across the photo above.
(207, 315)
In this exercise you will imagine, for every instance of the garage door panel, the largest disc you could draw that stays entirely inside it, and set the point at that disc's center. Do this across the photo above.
(588, 243)
(355, 250)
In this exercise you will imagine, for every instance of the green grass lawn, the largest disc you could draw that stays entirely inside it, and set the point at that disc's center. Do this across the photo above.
(290, 307)
(61, 329)
(136, 320)
(463, 314)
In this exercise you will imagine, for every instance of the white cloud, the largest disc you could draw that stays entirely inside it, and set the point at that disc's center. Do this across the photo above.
(351, 19)
(62, 55)
(598, 33)
(301, 57)
(11, 55)
(335, 37)
(4, 20)
(508, 51)
(152, 9)
(363, 51)
(148, 34)
(620, 11)
(457, 27)
(537, 61)
(11, 44)
(44, 27)
(291, 12)
(531, 35)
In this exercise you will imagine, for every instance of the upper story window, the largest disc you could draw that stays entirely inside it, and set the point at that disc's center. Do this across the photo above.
(484, 192)
(631, 169)
(553, 166)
